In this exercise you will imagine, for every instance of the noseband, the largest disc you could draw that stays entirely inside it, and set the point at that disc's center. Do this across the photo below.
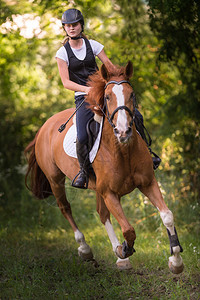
(111, 117)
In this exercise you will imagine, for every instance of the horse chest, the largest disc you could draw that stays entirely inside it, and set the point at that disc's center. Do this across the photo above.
(119, 170)
(123, 184)
(120, 179)
(126, 177)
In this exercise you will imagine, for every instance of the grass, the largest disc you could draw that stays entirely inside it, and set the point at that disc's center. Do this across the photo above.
(39, 257)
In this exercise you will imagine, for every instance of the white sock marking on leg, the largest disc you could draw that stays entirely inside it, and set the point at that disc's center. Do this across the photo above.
(84, 247)
(168, 220)
(111, 234)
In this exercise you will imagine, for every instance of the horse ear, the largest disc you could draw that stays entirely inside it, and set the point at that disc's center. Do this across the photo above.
(104, 72)
(129, 69)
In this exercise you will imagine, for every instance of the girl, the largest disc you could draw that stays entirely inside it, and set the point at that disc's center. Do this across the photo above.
(76, 61)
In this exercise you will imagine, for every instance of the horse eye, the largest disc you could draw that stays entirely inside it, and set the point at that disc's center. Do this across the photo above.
(107, 97)
(131, 96)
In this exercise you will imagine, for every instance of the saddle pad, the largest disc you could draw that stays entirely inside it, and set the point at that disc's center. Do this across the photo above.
(69, 142)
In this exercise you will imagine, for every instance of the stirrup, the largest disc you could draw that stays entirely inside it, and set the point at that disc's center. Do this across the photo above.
(156, 162)
(156, 159)
(85, 184)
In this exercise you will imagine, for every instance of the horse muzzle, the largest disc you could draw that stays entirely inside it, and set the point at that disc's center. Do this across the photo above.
(123, 136)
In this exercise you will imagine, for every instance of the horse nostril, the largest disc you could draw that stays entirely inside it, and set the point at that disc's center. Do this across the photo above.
(128, 131)
(116, 131)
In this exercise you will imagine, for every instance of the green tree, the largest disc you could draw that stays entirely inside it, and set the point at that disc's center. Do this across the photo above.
(177, 26)
(29, 83)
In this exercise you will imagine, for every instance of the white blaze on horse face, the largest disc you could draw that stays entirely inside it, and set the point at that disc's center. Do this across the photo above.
(122, 122)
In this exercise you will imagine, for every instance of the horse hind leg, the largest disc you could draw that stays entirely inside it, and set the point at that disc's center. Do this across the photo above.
(153, 193)
(122, 264)
(58, 189)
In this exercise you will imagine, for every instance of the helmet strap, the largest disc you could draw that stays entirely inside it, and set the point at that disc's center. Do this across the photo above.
(76, 37)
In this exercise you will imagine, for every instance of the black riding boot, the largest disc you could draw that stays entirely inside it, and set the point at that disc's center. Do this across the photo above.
(82, 178)
(140, 128)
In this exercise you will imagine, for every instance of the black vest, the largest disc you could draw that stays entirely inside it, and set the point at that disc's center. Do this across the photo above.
(80, 70)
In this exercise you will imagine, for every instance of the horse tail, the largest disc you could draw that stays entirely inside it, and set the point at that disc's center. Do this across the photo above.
(39, 184)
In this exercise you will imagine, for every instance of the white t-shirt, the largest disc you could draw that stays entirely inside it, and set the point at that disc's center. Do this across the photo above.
(80, 54)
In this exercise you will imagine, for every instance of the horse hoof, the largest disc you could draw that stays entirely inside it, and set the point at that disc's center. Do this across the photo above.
(124, 251)
(123, 264)
(85, 256)
(175, 269)
(118, 252)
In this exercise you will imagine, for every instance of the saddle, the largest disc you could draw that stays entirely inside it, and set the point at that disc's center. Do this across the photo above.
(94, 130)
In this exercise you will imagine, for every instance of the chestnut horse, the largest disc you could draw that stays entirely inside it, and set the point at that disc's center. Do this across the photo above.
(123, 163)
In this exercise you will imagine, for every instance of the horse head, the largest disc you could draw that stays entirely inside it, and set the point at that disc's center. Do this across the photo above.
(119, 101)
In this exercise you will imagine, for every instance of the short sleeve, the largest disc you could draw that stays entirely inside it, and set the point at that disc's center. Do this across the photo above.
(62, 54)
(96, 47)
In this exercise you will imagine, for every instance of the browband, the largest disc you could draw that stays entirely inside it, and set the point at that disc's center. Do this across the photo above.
(117, 82)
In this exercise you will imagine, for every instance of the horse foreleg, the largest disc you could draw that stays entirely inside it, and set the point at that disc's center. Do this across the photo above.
(155, 196)
(104, 214)
(58, 190)
(122, 264)
(113, 205)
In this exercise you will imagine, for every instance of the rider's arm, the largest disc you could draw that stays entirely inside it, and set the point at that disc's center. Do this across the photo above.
(105, 60)
(67, 83)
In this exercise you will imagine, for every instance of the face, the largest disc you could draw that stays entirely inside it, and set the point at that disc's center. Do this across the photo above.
(120, 96)
(74, 29)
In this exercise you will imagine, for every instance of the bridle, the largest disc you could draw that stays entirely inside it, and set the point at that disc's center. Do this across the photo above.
(111, 117)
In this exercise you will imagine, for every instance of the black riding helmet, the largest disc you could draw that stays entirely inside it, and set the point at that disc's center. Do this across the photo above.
(71, 16)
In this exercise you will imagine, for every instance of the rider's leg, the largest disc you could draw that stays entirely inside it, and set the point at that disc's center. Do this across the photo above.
(139, 124)
(81, 181)
(83, 115)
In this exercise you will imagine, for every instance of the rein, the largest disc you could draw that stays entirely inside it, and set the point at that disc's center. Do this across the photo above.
(111, 117)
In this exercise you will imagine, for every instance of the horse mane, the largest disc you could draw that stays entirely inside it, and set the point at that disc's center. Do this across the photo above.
(95, 98)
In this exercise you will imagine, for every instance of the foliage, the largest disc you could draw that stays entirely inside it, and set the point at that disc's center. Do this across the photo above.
(29, 82)
(177, 26)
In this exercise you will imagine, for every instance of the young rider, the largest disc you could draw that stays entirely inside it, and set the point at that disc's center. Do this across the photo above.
(76, 62)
